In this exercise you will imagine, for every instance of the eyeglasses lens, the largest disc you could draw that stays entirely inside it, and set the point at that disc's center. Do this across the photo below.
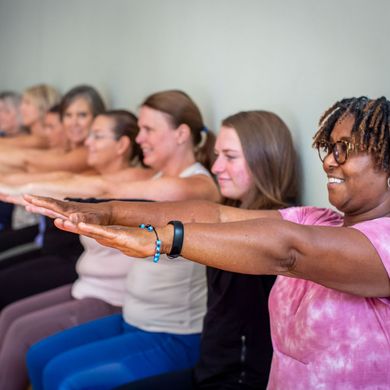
(340, 152)
(323, 150)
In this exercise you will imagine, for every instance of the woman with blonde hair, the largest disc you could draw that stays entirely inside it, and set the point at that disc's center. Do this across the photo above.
(36, 101)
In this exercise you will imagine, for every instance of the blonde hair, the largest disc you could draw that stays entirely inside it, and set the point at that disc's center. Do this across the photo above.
(44, 96)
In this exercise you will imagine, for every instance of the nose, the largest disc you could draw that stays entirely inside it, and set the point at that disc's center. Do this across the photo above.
(88, 140)
(140, 136)
(218, 166)
(329, 162)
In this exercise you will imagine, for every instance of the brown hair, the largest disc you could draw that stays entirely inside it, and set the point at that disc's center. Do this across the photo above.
(268, 149)
(90, 94)
(125, 125)
(182, 110)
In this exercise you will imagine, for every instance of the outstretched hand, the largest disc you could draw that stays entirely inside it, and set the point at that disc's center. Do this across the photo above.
(74, 212)
(133, 242)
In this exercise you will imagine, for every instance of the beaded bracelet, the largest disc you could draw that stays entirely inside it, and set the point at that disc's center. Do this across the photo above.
(157, 252)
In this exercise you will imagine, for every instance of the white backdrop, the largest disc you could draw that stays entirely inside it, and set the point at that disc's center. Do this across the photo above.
(292, 57)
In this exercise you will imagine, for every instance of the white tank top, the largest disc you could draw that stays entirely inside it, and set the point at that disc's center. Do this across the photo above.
(169, 296)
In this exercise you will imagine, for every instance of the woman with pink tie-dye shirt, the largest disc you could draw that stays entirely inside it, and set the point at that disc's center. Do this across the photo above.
(330, 305)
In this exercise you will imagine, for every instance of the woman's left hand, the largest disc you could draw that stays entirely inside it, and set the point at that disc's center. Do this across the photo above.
(134, 242)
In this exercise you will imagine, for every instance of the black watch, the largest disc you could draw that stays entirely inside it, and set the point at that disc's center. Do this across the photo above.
(178, 237)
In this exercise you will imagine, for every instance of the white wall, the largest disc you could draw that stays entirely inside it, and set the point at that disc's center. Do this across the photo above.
(293, 57)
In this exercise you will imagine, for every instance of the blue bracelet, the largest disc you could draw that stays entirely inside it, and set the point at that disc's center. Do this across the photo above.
(157, 252)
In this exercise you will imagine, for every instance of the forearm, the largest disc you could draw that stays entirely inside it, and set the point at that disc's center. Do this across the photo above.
(160, 213)
(12, 158)
(23, 178)
(72, 186)
(74, 161)
(199, 211)
(236, 247)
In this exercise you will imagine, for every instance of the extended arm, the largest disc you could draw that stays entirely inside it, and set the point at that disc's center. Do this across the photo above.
(65, 184)
(18, 179)
(24, 141)
(336, 257)
(134, 213)
(167, 188)
(73, 161)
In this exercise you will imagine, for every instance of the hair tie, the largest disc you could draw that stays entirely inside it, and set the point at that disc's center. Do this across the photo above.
(203, 137)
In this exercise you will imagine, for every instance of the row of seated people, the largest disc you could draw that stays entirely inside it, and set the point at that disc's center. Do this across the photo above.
(329, 306)
(155, 333)
(126, 319)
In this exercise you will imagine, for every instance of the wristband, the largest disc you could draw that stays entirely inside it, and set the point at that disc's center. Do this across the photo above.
(178, 237)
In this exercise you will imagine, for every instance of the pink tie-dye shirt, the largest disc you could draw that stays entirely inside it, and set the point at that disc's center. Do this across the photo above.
(325, 339)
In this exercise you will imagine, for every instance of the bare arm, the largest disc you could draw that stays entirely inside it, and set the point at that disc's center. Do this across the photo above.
(17, 157)
(168, 188)
(16, 179)
(336, 257)
(24, 141)
(134, 213)
(66, 184)
(73, 161)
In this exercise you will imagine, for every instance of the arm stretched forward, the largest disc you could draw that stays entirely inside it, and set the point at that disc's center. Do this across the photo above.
(337, 257)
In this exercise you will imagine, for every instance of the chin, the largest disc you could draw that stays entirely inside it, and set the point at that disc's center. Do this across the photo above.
(148, 162)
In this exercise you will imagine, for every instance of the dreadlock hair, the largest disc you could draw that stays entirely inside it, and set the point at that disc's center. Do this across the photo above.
(371, 128)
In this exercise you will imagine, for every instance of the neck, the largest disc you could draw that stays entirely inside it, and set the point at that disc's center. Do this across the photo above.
(381, 211)
(174, 167)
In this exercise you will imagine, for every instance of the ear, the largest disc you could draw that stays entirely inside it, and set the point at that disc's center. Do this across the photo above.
(123, 145)
(183, 134)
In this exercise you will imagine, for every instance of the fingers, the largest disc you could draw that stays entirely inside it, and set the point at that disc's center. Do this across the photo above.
(47, 203)
(43, 211)
(97, 231)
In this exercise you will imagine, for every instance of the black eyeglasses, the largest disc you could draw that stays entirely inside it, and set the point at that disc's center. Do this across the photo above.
(340, 150)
